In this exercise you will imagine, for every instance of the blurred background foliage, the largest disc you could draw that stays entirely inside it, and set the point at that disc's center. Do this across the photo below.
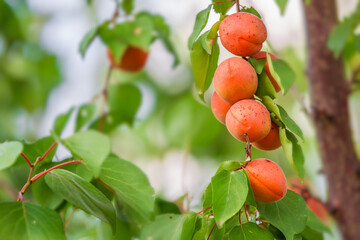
(154, 118)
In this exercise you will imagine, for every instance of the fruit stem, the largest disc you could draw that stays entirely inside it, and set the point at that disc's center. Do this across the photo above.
(247, 149)
(211, 231)
(229, 1)
(203, 210)
(48, 151)
(237, 5)
(27, 159)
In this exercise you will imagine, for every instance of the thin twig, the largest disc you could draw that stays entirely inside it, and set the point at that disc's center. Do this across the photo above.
(203, 210)
(211, 231)
(237, 5)
(104, 93)
(48, 151)
(240, 216)
(27, 159)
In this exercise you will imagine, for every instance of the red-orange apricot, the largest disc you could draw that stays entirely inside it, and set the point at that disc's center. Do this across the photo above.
(267, 180)
(133, 59)
(242, 33)
(235, 79)
(250, 117)
(219, 107)
(262, 55)
(271, 141)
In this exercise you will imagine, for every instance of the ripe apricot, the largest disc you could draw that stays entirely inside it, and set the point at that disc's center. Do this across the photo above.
(250, 117)
(219, 107)
(271, 141)
(262, 55)
(133, 59)
(235, 79)
(242, 33)
(267, 180)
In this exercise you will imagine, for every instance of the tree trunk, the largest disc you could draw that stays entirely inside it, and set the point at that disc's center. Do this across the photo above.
(330, 114)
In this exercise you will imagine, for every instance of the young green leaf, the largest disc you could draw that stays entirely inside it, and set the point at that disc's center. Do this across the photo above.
(229, 192)
(265, 87)
(82, 194)
(207, 199)
(290, 123)
(26, 221)
(9, 152)
(170, 227)
(282, 73)
(128, 6)
(222, 7)
(132, 188)
(90, 146)
(204, 65)
(289, 214)
(282, 5)
(338, 37)
(84, 115)
(309, 234)
(163, 33)
(200, 22)
(293, 151)
(257, 64)
(61, 121)
(229, 166)
(87, 40)
(250, 231)
(251, 10)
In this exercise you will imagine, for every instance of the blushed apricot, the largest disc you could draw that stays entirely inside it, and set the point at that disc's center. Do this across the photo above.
(219, 107)
(133, 59)
(250, 117)
(235, 79)
(242, 33)
(267, 180)
(262, 55)
(271, 141)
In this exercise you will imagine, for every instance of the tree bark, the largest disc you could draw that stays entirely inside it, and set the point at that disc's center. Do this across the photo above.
(329, 93)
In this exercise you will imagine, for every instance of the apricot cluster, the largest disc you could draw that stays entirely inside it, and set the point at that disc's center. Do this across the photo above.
(233, 102)
(236, 81)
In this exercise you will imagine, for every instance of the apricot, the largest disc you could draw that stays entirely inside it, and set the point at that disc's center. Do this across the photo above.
(262, 55)
(267, 180)
(219, 107)
(250, 117)
(133, 59)
(271, 141)
(242, 33)
(235, 79)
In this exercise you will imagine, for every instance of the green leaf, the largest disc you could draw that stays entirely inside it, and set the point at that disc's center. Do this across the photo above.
(9, 152)
(257, 64)
(170, 227)
(338, 37)
(84, 115)
(290, 123)
(128, 6)
(310, 234)
(124, 101)
(222, 7)
(189, 123)
(200, 22)
(282, 73)
(87, 40)
(250, 231)
(289, 214)
(229, 166)
(265, 87)
(61, 121)
(229, 192)
(26, 221)
(282, 5)
(90, 146)
(207, 199)
(251, 10)
(163, 33)
(293, 151)
(37, 149)
(132, 188)
(203, 65)
(314, 223)
(162, 206)
(82, 194)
